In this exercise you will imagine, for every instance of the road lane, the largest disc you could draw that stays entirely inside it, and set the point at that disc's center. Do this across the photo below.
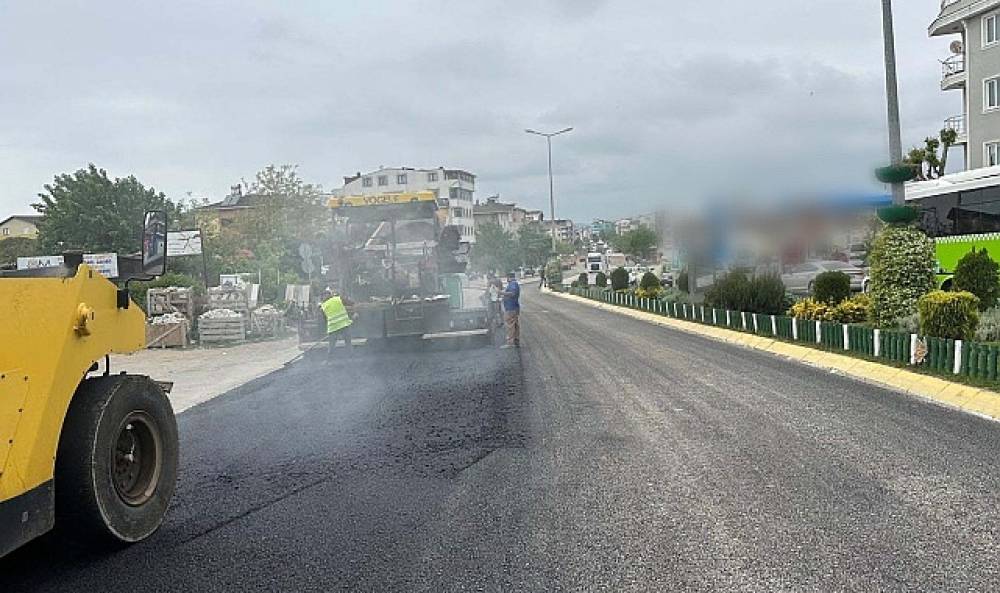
(607, 454)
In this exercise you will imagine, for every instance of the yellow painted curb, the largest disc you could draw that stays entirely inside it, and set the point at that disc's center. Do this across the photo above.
(965, 397)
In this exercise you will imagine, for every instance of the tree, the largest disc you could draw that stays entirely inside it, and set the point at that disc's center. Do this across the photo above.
(15, 247)
(976, 272)
(89, 211)
(495, 250)
(926, 160)
(534, 245)
(638, 242)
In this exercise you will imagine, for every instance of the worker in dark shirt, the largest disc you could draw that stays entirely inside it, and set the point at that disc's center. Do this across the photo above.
(512, 311)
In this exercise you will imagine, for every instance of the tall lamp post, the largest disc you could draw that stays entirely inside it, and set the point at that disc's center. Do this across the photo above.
(892, 102)
(552, 200)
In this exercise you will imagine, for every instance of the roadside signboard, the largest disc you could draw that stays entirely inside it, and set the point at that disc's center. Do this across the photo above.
(106, 264)
(183, 243)
(39, 261)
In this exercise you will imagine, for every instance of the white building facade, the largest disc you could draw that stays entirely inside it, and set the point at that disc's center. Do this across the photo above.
(454, 189)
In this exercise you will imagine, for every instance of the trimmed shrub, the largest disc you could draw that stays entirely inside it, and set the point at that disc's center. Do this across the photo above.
(601, 280)
(949, 314)
(574, 284)
(810, 309)
(619, 279)
(989, 326)
(832, 287)
(731, 291)
(902, 270)
(682, 282)
(767, 295)
(673, 295)
(852, 310)
(583, 280)
(649, 281)
(977, 273)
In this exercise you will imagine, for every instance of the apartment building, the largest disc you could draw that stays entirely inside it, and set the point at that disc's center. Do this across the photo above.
(507, 216)
(974, 69)
(454, 189)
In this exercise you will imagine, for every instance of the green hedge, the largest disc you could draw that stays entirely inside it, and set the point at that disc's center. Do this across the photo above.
(832, 287)
(952, 315)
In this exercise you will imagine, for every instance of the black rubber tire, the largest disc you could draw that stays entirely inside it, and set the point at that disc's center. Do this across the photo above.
(88, 504)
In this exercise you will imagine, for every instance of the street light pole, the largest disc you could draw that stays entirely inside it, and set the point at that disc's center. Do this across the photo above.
(552, 199)
(892, 100)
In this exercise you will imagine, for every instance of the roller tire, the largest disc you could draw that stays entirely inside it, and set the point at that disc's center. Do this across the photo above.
(104, 496)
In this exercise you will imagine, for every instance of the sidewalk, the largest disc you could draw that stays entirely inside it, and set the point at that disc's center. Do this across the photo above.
(200, 374)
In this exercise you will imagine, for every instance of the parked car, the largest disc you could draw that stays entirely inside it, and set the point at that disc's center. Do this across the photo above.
(800, 278)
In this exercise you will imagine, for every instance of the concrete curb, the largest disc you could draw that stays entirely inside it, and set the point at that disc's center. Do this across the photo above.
(974, 400)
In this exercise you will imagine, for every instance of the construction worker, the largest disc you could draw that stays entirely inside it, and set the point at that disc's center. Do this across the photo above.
(338, 319)
(511, 297)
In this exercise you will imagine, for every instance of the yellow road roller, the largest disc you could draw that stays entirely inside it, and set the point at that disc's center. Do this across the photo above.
(84, 448)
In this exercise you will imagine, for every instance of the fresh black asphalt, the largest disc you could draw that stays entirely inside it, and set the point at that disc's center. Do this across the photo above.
(606, 455)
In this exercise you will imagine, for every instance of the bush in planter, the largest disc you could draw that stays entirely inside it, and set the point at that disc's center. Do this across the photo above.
(949, 314)
(619, 279)
(977, 273)
(731, 291)
(601, 280)
(553, 273)
(902, 270)
(832, 287)
(583, 280)
(673, 295)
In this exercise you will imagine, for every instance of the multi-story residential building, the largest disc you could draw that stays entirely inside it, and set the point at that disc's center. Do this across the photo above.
(507, 216)
(564, 229)
(602, 228)
(533, 216)
(20, 226)
(454, 189)
(974, 69)
(625, 225)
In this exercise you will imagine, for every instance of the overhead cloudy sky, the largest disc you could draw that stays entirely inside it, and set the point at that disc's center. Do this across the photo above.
(671, 101)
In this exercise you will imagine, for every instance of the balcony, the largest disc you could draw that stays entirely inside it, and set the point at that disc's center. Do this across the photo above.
(955, 12)
(953, 73)
(957, 123)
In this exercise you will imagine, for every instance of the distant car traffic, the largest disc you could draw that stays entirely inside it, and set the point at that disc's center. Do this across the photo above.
(801, 278)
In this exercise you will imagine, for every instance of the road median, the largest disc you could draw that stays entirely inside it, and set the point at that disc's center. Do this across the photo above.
(969, 398)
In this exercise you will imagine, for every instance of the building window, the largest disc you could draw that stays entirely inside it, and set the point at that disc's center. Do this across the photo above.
(401, 179)
(991, 93)
(432, 176)
(991, 154)
(366, 182)
(6, 231)
(383, 180)
(990, 33)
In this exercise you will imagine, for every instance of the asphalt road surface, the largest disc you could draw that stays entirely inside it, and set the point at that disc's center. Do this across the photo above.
(605, 455)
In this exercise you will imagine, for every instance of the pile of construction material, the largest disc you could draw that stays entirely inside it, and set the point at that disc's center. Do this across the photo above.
(222, 325)
(267, 321)
(169, 330)
(172, 299)
(230, 298)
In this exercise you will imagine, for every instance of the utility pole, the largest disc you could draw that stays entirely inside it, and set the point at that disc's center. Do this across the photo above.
(552, 200)
(892, 101)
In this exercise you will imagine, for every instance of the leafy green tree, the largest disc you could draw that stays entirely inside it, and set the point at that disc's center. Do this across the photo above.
(564, 248)
(534, 244)
(15, 247)
(583, 280)
(925, 160)
(601, 280)
(495, 250)
(977, 273)
(638, 242)
(88, 210)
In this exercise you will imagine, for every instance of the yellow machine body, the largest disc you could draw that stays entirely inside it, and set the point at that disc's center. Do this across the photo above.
(52, 330)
